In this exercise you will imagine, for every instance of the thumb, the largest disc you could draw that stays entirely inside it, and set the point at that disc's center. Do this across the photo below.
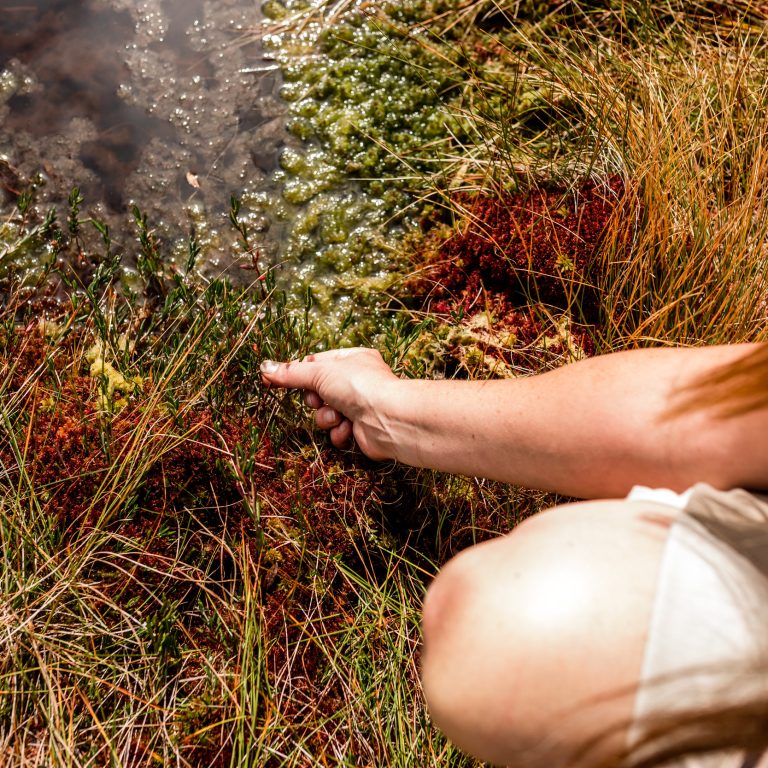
(293, 375)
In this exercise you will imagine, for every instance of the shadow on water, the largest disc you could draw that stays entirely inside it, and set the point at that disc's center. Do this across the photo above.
(162, 103)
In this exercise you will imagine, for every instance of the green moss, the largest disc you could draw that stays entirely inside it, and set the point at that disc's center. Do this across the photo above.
(395, 102)
(274, 10)
(26, 252)
(115, 387)
(366, 101)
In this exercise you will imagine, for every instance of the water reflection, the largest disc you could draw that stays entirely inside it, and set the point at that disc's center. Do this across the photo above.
(159, 102)
(72, 52)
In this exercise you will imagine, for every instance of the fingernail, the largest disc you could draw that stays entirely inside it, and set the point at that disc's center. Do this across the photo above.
(329, 417)
(269, 366)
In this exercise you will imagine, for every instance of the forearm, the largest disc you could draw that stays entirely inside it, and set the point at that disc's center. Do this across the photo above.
(590, 429)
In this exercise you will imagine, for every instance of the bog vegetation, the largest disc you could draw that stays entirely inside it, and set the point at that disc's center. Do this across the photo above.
(190, 575)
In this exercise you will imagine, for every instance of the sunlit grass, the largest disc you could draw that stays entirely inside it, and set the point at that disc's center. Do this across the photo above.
(188, 577)
(676, 111)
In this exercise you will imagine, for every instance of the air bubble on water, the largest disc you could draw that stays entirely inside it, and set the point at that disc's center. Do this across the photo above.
(8, 82)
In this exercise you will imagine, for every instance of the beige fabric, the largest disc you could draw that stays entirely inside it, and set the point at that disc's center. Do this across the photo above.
(708, 621)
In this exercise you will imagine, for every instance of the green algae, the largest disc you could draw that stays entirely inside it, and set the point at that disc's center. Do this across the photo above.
(394, 107)
(367, 109)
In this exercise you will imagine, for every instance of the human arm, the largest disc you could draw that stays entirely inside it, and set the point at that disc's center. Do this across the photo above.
(590, 429)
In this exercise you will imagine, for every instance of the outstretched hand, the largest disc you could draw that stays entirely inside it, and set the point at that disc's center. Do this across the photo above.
(591, 429)
(349, 390)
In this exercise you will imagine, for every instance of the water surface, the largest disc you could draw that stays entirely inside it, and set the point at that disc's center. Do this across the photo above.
(168, 104)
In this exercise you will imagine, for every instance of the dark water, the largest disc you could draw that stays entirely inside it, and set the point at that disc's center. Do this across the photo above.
(168, 104)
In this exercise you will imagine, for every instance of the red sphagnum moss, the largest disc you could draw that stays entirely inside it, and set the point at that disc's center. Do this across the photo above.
(185, 520)
(523, 261)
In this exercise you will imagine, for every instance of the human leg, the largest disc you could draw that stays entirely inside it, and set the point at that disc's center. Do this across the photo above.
(533, 643)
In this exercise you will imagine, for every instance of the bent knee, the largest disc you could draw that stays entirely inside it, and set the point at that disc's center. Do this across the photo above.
(546, 625)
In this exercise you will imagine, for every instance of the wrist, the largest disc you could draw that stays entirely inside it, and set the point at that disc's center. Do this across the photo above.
(384, 424)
